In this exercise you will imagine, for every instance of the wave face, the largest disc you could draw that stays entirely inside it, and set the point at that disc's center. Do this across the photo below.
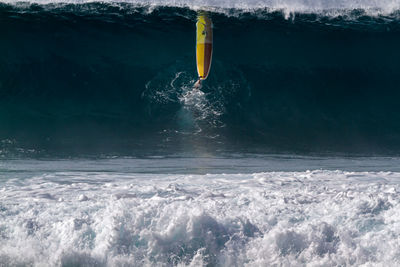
(69, 213)
(114, 77)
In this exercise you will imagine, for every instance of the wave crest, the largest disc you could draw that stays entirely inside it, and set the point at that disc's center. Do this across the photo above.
(289, 8)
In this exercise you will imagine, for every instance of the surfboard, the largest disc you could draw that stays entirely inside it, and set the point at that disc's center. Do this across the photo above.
(204, 45)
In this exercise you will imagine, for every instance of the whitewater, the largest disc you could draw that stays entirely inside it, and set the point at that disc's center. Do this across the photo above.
(154, 212)
(290, 6)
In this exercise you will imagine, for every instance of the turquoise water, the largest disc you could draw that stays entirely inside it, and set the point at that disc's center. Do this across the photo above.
(117, 78)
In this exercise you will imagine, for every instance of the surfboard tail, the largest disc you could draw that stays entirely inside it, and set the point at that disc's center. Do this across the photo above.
(197, 84)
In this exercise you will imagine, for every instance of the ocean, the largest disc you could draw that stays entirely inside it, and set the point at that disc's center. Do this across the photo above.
(289, 155)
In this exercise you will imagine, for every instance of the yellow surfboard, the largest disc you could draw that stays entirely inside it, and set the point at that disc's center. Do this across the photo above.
(204, 44)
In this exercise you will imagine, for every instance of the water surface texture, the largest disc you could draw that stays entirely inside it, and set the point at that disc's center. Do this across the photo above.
(287, 156)
(116, 77)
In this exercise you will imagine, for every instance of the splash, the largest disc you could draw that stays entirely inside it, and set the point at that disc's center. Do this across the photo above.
(196, 112)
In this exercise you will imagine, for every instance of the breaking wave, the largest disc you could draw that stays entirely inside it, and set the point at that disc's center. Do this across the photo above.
(115, 77)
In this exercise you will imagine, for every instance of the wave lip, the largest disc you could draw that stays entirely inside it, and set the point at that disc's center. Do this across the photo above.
(331, 8)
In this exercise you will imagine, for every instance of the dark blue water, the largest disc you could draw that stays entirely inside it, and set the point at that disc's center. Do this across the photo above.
(116, 79)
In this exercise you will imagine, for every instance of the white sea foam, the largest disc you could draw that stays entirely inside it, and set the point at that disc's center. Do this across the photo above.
(371, 7)
(318, 218)
(197, 111)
